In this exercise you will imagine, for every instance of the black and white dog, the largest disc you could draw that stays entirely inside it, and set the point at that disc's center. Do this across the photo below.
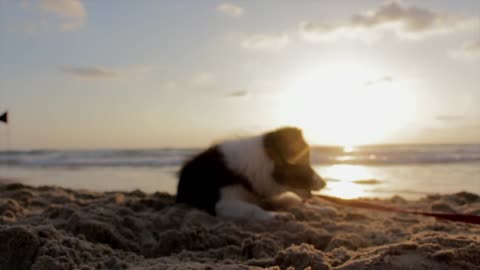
(237, 178)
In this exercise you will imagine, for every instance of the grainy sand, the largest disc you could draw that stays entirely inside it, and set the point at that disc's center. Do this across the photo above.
(56, 228)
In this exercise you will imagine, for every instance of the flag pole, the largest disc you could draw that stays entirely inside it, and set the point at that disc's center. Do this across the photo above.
(4, 118)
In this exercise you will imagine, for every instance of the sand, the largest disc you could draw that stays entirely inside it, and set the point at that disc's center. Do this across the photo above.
(56, 228)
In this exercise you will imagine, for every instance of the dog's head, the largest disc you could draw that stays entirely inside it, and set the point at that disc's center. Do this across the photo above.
(287, 148)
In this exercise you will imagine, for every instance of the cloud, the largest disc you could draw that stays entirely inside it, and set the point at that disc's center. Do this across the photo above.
(202, 78)
(65, 8)
(230, 9)
(94, 72)
(384, 79)
(239, 93)
(450, 118)
(71, 13)
(468, 51)
(169, 85)
(90, 72)
(265, 41)
(64, 15)
(404, 21)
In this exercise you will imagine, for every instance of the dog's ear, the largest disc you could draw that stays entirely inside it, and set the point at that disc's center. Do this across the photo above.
(285, 145)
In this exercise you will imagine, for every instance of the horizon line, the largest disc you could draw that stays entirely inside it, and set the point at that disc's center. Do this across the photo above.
(201, 147)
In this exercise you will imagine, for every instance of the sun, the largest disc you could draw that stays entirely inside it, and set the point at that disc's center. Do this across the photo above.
(346, 104)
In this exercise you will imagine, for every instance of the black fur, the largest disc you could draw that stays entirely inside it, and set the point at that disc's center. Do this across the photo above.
(202, 177)
(283, 143)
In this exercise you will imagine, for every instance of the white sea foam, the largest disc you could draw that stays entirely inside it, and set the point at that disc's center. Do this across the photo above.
(366, 155)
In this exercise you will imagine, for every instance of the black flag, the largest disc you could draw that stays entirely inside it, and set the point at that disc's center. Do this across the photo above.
(4, 117)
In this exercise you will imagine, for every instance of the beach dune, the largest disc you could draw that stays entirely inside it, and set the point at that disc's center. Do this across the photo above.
(58, 228)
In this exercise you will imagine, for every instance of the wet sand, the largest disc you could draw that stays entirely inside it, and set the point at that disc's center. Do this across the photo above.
(59, 228)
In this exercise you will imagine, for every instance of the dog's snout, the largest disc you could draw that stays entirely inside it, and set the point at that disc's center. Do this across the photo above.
(318, 182)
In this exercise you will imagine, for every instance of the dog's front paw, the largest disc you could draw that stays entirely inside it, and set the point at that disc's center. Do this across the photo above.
(273, 216)
(283, 216)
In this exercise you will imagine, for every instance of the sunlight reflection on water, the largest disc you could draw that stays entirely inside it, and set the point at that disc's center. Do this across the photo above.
(408, 181)
(341, 180)
(347, 172)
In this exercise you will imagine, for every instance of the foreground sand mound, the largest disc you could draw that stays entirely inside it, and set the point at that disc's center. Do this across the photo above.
(56, 228)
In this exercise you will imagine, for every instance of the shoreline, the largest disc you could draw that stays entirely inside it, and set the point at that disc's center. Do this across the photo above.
(59, 228)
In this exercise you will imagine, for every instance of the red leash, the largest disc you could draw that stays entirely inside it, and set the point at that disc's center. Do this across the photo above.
(473, 219)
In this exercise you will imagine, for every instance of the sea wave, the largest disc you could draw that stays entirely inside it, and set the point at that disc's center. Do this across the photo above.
(96, 158)
(398, 154)
(367, 155)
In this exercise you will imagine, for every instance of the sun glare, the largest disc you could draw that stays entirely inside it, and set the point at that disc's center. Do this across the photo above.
(342, 180)
(348, 149)
(345, 190)
(346, 104)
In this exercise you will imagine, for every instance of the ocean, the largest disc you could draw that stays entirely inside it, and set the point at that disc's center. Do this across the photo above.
(410, 171)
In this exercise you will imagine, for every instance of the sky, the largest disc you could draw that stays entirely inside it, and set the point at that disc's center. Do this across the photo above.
(141, 74)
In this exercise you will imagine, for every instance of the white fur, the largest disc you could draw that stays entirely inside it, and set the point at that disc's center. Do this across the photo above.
(237, 202)
(286, 200)
(237, 192)
(241, 210)
(248, 158)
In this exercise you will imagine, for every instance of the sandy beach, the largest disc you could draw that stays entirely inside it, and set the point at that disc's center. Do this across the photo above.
(57, 228)
(109, 109)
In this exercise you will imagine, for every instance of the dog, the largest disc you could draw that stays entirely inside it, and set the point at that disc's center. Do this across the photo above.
(242, 178)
